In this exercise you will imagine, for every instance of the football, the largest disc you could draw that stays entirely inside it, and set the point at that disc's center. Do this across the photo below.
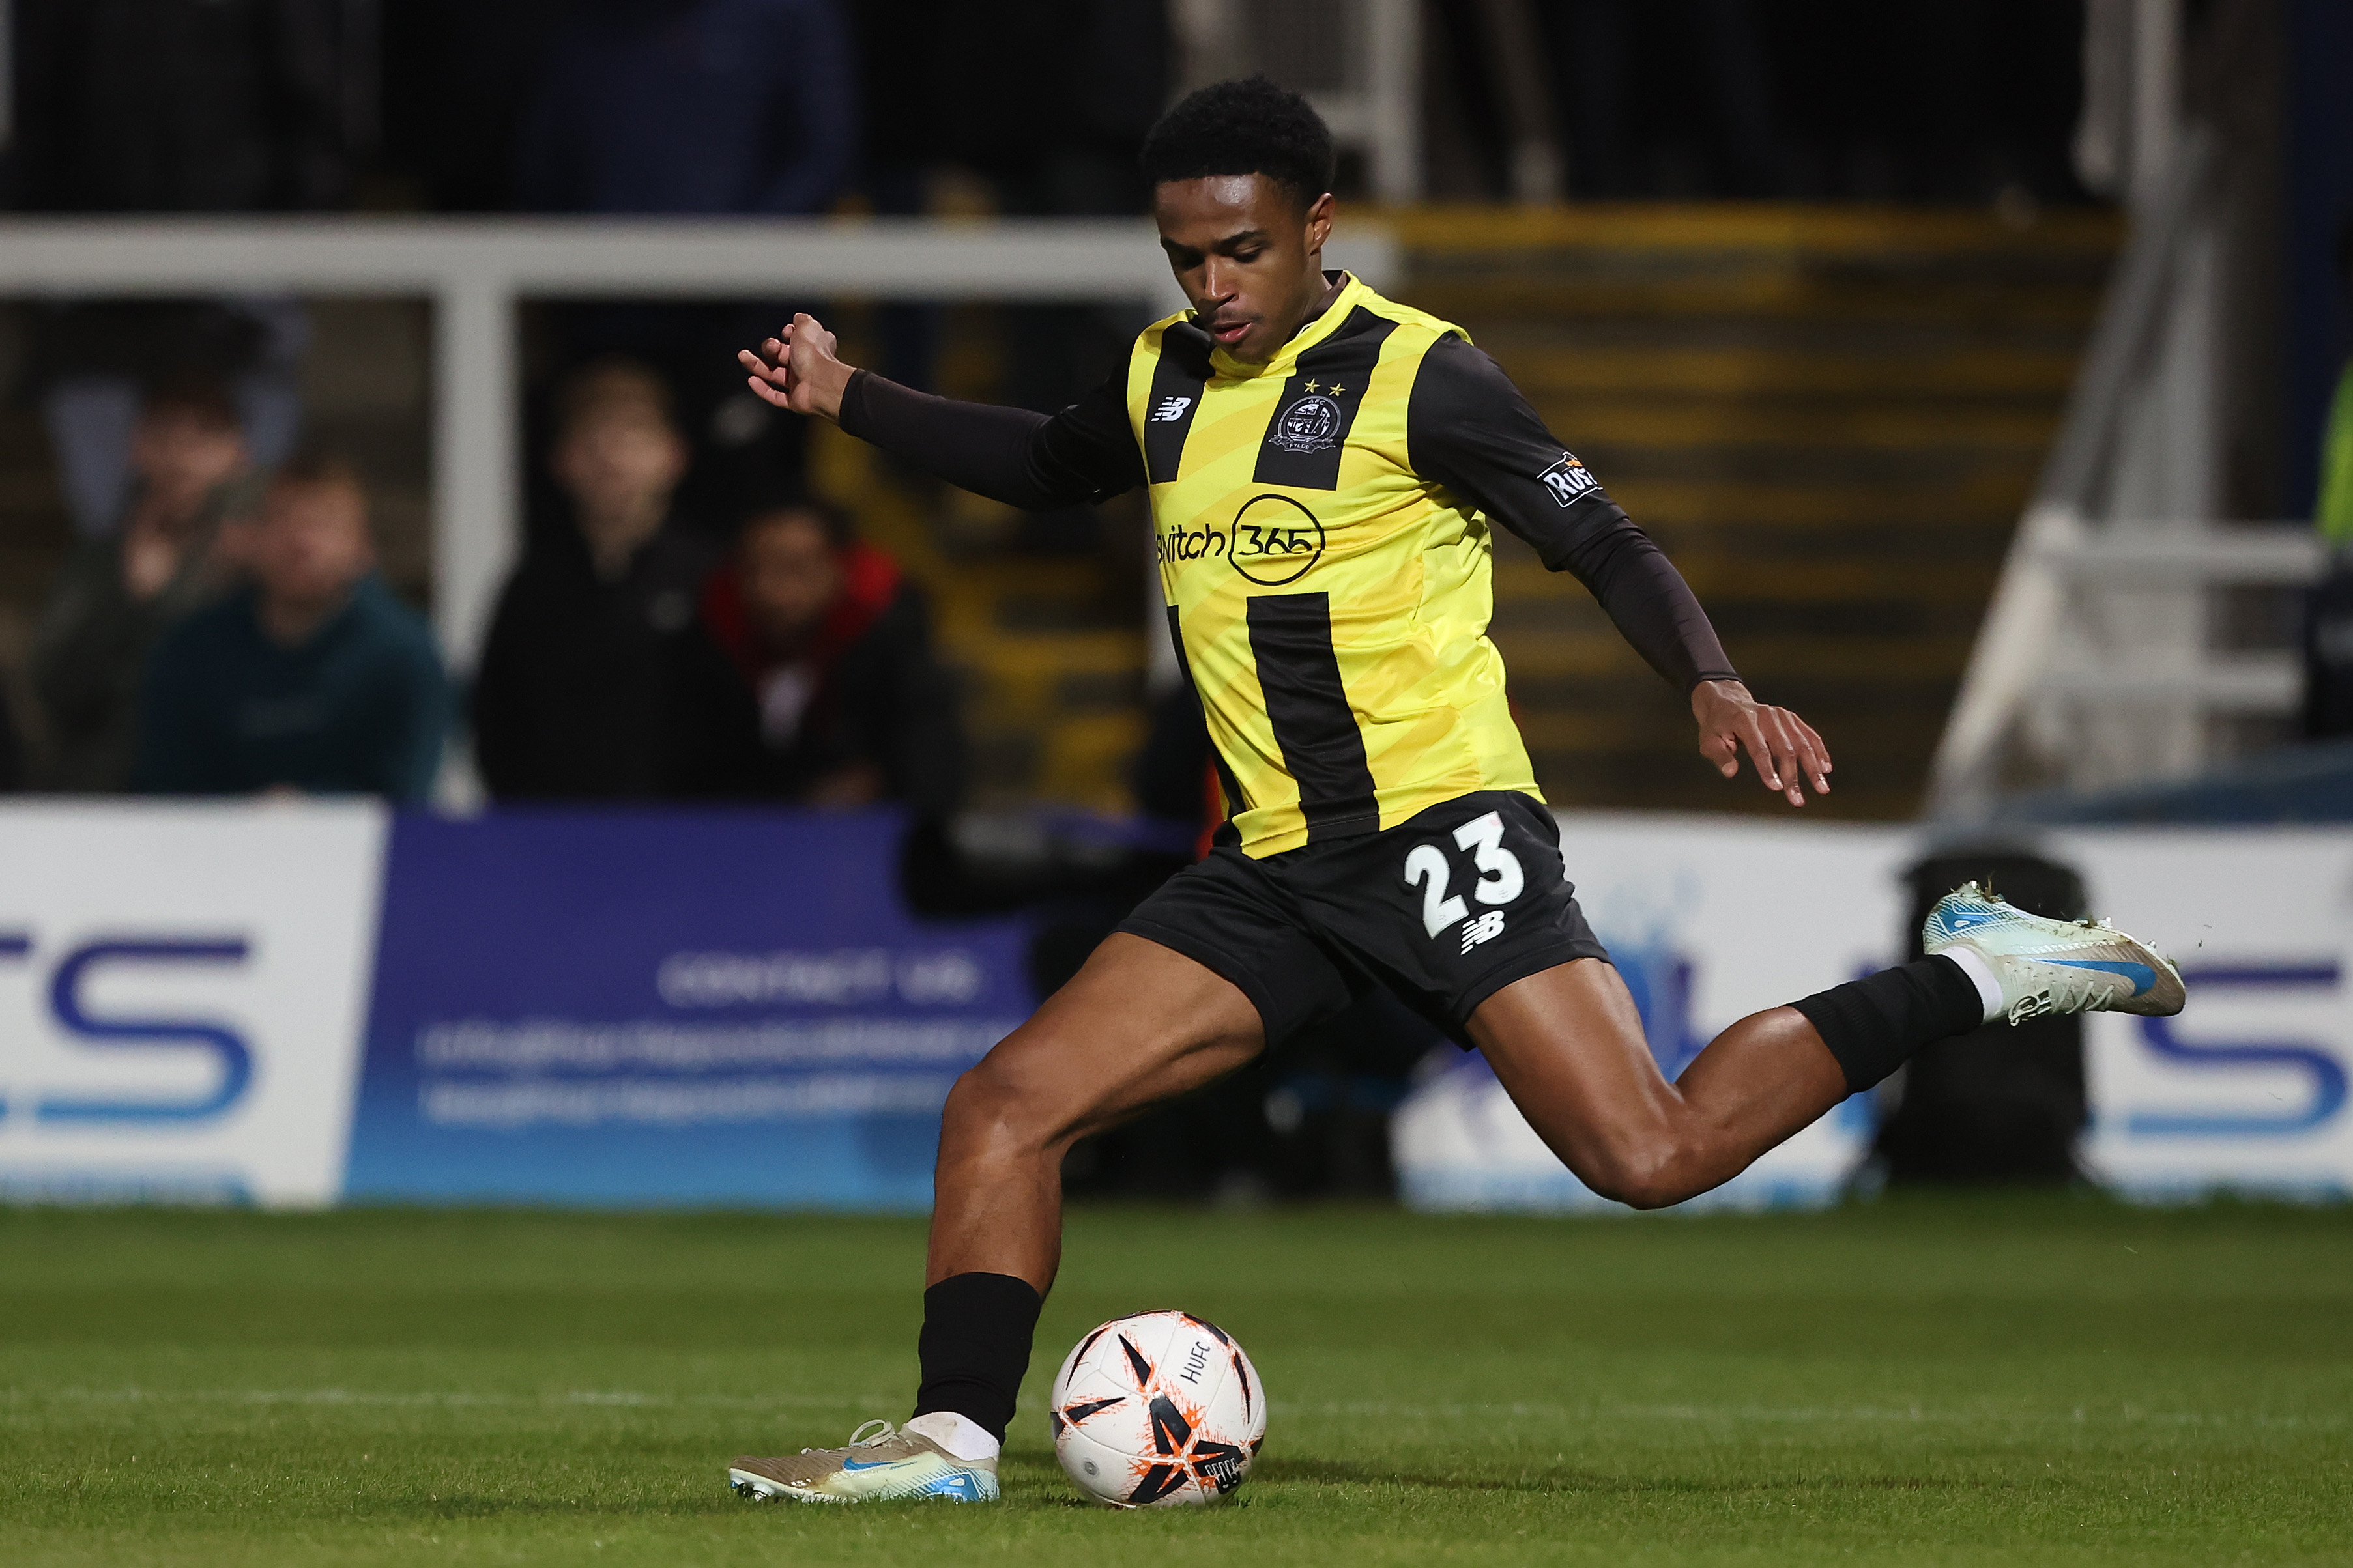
(1156, 1410)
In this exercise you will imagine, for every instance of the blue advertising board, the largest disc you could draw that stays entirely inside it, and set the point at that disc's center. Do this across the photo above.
(707, 1008)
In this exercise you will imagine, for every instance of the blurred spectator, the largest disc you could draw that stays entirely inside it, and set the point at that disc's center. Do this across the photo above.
(178, 105)
(313, 677)
(174, 106)
(937, 75)
(116, 595)
(834, 698)
(703, 107)
(91, 361)
(576, 695)
(692, 106)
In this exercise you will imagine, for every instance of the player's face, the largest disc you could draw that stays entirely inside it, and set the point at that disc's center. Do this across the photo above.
(1247, 257)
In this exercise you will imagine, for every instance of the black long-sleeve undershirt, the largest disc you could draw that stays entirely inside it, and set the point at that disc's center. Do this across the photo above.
(1468, 428)
(1085, 453)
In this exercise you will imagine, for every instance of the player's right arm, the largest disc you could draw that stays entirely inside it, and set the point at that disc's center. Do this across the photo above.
(1085, 453)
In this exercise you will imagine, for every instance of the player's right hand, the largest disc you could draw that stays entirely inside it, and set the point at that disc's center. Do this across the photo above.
(1784, 748)
(798, 370)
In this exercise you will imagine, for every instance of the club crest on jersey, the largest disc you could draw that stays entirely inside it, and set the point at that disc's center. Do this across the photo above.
(1310, 425)
(1569, 479)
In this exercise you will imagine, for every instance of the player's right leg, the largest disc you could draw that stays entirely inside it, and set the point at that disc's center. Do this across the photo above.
(1141, 1023)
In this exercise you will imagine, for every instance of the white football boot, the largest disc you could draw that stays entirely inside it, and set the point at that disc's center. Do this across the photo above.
(2045, 966)
(876, 1466)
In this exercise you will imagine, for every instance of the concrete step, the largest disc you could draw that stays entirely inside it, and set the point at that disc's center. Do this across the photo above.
(1940, 376)
(1828, 417)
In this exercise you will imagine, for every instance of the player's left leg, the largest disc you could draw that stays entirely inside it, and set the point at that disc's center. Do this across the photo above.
(1567, 1045)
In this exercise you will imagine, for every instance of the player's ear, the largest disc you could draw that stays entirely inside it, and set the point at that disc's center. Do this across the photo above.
(1320, 212)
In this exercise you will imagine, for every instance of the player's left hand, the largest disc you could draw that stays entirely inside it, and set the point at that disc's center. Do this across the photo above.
(1784, 747)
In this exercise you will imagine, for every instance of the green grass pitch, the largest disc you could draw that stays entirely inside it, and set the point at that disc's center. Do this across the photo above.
(1944, 1382)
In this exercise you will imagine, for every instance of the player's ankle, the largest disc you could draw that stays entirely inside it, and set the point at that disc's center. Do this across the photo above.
(961, 1435)
(1971, 962)
(974, 1348)
(1872, 1026)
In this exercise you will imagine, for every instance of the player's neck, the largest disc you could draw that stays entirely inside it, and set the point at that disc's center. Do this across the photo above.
(1319, 302)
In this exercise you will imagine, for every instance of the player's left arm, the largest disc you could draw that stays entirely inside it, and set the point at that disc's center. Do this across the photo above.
(1468, 428)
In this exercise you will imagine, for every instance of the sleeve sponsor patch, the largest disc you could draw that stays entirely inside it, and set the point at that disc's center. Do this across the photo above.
(1569, 480)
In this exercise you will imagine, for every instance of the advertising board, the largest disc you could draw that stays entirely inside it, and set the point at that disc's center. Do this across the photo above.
(713, 1008)
(299, 1003)
(2246, 1089)
(181, 990)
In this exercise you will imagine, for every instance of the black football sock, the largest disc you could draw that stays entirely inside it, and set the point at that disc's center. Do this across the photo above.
(975, 1346)
(1872, 1026)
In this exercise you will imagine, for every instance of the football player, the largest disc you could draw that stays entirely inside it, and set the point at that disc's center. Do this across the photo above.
(1325, 466)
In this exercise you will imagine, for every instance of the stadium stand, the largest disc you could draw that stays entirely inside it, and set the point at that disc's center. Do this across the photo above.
(1828, 417)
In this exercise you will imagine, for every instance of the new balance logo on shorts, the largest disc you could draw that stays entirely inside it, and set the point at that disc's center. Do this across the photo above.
(1171, 409)
(1486, 928)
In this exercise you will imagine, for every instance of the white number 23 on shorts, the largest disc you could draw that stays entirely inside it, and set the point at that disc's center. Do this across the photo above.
(1499, 877)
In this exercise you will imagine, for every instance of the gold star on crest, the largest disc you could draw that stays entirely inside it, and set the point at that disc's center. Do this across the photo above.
(1311, 386)
(1338, 389)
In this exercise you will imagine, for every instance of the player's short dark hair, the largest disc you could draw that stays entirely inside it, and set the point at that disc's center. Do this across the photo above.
(1247, 127)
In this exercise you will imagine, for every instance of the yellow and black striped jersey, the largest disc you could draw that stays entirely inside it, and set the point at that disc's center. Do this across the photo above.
(1321, 525)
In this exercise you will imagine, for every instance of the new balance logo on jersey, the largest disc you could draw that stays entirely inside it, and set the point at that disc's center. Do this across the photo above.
(1170, 410)
(1569, 479)
(1486, 928)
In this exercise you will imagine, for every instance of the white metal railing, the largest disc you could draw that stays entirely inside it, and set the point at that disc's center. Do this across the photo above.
(2095, 664)
(475, 270)
(2130, 562)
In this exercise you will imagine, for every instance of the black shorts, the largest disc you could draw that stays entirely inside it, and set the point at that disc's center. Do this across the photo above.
(1444, 909)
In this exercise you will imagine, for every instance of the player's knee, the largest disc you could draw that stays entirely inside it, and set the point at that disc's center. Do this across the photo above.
(989, 1104)
(1655, 1173)
(981, 1099)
